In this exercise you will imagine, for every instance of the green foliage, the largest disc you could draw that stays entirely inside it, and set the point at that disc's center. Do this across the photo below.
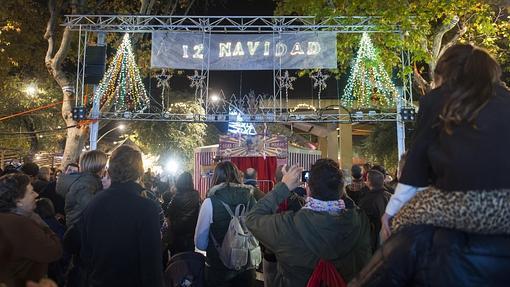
(381, 146)
(487, 25)
(22, 52)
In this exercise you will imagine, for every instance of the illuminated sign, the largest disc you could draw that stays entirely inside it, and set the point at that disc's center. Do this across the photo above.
(189, 50)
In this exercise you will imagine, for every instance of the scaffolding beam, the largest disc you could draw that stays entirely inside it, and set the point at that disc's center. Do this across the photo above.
(227, 24)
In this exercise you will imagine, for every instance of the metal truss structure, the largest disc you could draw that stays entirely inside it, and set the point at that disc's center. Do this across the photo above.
(226, 24)
(279, 112)
(341, 118)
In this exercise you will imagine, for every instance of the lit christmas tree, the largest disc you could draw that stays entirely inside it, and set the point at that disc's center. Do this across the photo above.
(122, 86)
(369, 85)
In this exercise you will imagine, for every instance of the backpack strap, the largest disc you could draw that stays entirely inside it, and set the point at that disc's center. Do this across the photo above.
(228, 208)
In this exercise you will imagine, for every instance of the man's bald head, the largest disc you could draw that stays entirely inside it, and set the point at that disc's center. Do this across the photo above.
(250, 173)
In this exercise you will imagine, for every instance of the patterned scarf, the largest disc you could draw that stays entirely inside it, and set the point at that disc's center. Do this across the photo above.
(332, 207)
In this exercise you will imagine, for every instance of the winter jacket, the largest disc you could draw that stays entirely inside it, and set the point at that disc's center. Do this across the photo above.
(356, 190)
(471, 158)
(300, 239)
(233, 194)
(50, 192)
(423, 255)
(26, 248)
(373, 203)
(182, 214)
(78, 189)
(120, 240)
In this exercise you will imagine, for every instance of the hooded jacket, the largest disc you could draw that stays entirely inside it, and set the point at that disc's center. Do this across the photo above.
(78, 190)
(300, 239)
(182, 213)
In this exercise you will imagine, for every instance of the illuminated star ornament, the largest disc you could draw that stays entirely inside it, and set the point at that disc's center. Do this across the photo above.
(163, 82)
(319, 80)
(286, 81)
(369, 85)
(121, 86)
(197, 80)
(163, 79)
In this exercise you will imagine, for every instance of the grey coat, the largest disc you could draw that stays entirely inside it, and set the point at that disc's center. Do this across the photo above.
(78, 190)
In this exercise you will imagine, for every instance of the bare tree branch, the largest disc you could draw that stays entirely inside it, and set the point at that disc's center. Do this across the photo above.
(143, 6)
(149, 8)
(49, 35)
(421, 83)
(462, 30)
(438, 37)
(189, 7)
(174, 8)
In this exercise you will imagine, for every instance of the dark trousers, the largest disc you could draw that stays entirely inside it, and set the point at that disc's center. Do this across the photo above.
(229, 278)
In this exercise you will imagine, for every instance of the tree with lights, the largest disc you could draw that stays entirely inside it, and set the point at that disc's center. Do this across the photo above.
(122, 85)
(369, 85)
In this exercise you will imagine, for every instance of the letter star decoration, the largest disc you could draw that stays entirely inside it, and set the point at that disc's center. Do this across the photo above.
(197, 80)
(163, 83)
(286, 83)
(319, 81)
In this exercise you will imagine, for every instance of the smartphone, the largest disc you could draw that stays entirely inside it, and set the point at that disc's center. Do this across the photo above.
(305, 175)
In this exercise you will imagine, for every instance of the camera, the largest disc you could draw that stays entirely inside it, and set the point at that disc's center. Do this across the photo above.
(305, 175)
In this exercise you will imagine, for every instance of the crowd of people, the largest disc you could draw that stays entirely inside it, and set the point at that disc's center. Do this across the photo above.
(443, 221)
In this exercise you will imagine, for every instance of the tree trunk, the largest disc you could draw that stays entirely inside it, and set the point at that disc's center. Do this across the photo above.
(34, 141)
(53, 61)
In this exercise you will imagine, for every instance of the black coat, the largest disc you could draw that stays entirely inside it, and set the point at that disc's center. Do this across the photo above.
(182, 214)
(424, 255)
(120, 239)
(373, 203)
(469, 159)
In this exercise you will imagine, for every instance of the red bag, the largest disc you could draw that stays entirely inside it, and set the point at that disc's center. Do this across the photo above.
(325, 275)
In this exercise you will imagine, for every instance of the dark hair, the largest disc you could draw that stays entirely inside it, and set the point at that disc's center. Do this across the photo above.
(379, 168)
(73, 165)
(125, 164)
(44, 207)
(30, 169)
(326, 180)
(12, 187)
(470, 75)
(225, 172)
(184, 182)
(375, 178)
(250, 173)
(356, 171)
(9, 169)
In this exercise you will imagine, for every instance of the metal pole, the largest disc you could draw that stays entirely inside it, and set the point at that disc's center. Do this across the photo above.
(401, 130)
(94, 127)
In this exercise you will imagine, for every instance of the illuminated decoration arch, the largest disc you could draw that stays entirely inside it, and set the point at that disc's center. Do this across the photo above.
(369, 85)
(273, 109)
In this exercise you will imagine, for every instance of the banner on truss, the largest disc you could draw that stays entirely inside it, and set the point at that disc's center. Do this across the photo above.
(196, 51)
(253, 145)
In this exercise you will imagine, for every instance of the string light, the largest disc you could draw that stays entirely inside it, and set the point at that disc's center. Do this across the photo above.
(303, 107)
(369, 85)
(122, 85)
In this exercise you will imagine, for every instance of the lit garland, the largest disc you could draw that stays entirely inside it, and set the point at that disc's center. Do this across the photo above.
(369, 85)
(122, 85)
(303, 107)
